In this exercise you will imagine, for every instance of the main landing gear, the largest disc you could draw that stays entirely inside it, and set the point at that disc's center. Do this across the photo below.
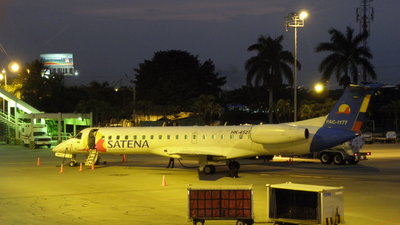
(208, 169)
(234, 167)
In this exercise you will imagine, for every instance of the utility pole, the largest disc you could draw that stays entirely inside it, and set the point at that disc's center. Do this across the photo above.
(365, 15)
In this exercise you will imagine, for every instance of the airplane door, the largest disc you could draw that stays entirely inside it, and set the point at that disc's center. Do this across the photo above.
(92, 139)
(195, 136)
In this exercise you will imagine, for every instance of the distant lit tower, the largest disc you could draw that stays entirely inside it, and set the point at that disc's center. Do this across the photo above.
(365, 15)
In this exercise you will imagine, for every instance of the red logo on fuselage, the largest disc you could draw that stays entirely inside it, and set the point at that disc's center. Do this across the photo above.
(100, 147)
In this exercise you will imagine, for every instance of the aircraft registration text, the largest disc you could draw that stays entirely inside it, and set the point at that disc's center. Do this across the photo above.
(240, 131)
(337, 122)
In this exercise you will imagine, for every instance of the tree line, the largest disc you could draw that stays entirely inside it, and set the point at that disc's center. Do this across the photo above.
(174, 81)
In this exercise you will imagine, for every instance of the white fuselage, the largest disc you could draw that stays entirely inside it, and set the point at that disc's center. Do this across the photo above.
(217, 142)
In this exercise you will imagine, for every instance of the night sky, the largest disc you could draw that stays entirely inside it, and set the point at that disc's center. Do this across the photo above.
(109, 38)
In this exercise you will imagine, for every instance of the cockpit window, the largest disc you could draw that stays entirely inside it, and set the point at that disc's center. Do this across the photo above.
(79, 135)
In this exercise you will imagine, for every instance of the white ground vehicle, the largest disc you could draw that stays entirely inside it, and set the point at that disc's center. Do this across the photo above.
(35, 135)
(348, 152)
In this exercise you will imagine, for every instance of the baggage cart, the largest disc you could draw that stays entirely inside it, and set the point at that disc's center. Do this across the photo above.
(221, 203)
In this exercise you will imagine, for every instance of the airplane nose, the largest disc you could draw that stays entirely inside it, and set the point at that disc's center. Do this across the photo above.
(59, 148)
(56, 148)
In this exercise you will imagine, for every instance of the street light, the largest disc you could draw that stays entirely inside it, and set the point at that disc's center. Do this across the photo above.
(3, 75)
(319, 87)
(14, 67)
(295, 20)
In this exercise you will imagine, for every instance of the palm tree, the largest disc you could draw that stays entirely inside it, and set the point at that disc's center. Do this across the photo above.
(269, 66)
(347, 54)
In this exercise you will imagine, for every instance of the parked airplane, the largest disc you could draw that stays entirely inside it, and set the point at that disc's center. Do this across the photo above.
(228, 143)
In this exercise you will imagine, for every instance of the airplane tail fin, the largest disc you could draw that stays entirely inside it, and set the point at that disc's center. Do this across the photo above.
(349, 111)
(345, 119)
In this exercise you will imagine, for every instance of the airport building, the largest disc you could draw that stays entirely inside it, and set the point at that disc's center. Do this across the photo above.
(17, 116)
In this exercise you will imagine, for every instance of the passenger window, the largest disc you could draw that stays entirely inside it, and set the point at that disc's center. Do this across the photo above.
(109, 137)
(134, 137)
(144, 137)
(117, 137)
(168, 136)
(213, 136)
(126, 137)
(232, 136)
(177, 137)
(151, 137)
(194, 136)
(160, 137)
(186, 136)
(222, 136)
(241, 136)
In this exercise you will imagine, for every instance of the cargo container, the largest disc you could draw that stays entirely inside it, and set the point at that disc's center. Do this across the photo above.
(221, 203)
(305, 204)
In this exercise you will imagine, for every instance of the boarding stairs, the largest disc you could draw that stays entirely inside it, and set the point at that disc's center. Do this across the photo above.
(9, 120)
(92, 157)
(10, 107)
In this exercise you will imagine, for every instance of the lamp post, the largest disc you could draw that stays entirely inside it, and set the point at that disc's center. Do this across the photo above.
(319, 87)
(3, 75)
(295, 20)
(14, 67)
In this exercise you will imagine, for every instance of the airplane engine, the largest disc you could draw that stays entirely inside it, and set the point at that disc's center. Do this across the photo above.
(278, 134)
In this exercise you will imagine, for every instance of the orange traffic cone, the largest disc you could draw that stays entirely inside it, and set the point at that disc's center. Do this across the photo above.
(38, 161)
(92, 166)
(80, 167)
(164, 182)
(62, 168)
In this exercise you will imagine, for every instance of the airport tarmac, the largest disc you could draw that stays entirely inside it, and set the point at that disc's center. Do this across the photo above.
(132, 192)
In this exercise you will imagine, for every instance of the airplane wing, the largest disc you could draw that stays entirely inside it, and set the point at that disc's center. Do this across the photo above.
(195, 151)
